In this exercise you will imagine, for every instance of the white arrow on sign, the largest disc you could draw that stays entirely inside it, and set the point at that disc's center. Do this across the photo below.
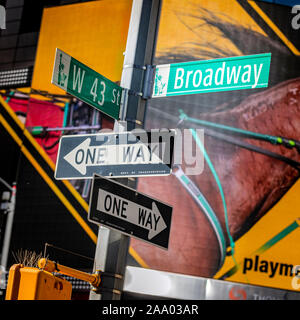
(132, 212)
(85, 155)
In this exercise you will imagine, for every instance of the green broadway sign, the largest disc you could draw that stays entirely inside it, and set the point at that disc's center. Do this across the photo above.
(235, 73)
(86, 84)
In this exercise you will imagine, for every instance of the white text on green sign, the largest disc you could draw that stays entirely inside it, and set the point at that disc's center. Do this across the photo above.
(86, 84)
(234, 73)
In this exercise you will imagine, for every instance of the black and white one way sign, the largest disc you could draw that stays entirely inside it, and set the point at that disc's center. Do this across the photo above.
(112, 154)
(124, 209)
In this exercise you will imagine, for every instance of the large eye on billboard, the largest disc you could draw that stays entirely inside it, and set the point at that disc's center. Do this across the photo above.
(238, 218)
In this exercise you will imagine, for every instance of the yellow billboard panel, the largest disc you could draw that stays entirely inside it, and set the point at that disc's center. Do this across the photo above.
(94, 33)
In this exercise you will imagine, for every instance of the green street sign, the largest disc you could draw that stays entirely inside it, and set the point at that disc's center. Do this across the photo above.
(234, 73)
(86, 84)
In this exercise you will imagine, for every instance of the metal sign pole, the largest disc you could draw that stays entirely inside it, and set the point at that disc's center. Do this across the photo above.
(112, 247)
(8, 228)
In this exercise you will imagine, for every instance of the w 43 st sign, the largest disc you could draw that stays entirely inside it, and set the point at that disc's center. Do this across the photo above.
(86, 84)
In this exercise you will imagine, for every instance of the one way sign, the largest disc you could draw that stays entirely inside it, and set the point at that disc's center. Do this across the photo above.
(125, 154)
(124, 209)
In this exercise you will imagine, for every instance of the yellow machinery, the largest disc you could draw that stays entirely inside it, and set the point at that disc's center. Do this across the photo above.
(28, 283)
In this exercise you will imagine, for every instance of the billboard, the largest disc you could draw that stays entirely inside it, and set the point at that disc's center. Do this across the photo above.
(87, 33)
(47, 210)
(240, 219)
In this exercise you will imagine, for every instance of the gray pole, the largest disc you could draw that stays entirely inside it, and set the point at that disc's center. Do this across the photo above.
(112, 246)
(8, 228)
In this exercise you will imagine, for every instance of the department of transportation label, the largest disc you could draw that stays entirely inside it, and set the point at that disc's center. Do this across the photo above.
(234, 73)
(86, 84)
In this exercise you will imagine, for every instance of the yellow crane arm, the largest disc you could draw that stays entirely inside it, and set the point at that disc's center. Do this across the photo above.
(51, 266)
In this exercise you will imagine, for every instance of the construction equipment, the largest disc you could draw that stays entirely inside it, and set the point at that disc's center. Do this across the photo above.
(30, 283)
(50, 266)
